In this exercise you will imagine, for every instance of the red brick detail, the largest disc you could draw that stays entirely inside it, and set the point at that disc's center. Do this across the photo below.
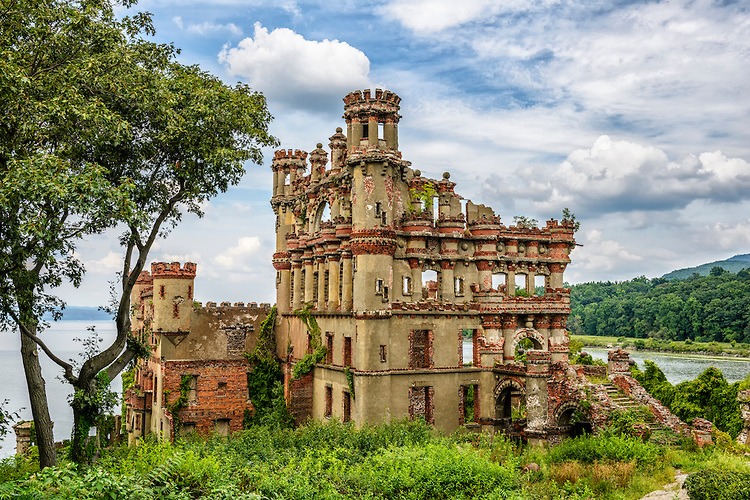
(421, 403)
(373, 242)
(173, 270)
(421, 349)
(211, 404)
(301, 398)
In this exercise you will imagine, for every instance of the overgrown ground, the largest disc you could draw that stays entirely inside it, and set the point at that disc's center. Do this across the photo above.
(336, 461)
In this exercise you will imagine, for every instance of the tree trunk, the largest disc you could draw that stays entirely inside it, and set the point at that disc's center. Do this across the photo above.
(45, 440)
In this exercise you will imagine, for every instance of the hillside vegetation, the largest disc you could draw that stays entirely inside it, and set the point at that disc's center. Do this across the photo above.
(700, 308)
(733, 265)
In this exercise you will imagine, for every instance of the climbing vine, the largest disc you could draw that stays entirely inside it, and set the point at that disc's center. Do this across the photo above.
(91, 406)
(309, 360)
(349, 380)
(178, 404)
(265, 389)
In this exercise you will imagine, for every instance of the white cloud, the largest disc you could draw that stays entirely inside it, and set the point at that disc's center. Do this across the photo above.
(109, 264)
(729, 236)
(622, 176)
(207, 27)
(433, 16)
(241, 256)
(599, 254)
(288, 68)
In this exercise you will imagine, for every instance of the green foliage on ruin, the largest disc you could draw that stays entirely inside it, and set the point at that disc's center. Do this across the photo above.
(265, 380)
(709, 396)
(310, 359)
(714, 308)
(178, 404)
(349, 380)
(423, 198)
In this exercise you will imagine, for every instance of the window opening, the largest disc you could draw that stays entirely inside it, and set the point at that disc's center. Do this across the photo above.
(347, 351)
(498, 282)
(539, 285)
(406, 285)
(347, 407)
(429, 285)
(385, 294)
(381, 133)
(458, 286)
(420, 349)
(379, 286)
(521, 285)
(468, 342)
(469, 403)
(365, 131)
(161, 291)
(382, 354)
(221, 389)
(328, 402)
(190, 292)
(329, 348)
(222, 427)
(193, 390)
(421, 403)
(176, 310)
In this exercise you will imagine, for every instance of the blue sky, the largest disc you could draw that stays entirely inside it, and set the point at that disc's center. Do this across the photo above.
(635, 115)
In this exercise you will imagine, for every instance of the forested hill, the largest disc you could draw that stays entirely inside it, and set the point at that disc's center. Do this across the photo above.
(732, 264)
(703, 308)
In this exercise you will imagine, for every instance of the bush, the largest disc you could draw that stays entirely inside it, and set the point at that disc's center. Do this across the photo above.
(717, 484)
(609, 449)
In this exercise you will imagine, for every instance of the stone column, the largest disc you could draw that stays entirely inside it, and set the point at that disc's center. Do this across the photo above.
(298, 292)
(510, 324)
(333, 283)
(537, 411)
(448, 291)
(308, 261)
(416, 280)
(558, 339)
(372, 131)
(510, 282)
(321, 302)
(347, 299)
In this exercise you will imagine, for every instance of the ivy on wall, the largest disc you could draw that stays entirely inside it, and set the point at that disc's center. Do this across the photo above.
(308, 361)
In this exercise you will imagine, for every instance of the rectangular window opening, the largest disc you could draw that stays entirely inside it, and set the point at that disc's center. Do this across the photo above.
(469, 404)
(459, 286)
(420, 349)
(406, 284)
(421, 403)
(383, 354)
(347, 415)
(221, 389)
(347, 351)
(328, 410)
(329, 348)
(193, 390)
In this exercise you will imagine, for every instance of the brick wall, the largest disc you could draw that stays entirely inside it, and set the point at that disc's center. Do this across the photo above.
(221, 392)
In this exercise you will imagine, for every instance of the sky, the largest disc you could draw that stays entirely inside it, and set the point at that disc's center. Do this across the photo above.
(635, 115)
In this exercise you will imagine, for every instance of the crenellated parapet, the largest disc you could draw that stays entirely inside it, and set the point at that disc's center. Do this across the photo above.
(162, 270)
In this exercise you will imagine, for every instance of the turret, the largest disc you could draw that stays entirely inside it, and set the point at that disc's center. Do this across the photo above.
(364, 114)
(173, 296)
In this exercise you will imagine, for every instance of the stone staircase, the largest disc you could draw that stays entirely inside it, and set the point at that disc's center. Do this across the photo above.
(626, 403)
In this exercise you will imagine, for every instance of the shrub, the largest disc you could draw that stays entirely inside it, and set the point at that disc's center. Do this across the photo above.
(609, 449)
(717, 484)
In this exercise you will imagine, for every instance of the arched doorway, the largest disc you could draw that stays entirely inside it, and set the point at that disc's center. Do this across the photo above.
(574, 417)
(510, 400)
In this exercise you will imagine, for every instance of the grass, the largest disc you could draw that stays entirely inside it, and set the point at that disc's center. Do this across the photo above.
(403, 460)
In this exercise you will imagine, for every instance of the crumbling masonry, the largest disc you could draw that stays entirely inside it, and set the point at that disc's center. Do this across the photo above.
(428, 307)
(362, 238)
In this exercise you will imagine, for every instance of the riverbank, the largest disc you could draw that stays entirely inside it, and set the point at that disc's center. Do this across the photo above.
(722, 349)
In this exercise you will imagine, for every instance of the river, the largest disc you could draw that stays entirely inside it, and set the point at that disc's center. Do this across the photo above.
(680, 367)
(60, 338)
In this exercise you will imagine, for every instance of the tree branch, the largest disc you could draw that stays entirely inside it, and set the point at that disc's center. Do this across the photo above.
(63, 364)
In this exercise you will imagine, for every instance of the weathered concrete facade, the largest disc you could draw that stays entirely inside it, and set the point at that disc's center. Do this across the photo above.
(196, 350)
(361, 239)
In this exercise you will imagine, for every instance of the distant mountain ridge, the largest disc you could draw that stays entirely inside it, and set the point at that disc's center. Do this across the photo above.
(81, 313)
(732, 264)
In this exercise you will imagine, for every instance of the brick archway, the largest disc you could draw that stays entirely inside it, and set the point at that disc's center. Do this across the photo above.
(530, 333)
(505, 391)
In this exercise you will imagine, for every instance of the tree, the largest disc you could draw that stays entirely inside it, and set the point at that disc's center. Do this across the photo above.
(116, 132)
